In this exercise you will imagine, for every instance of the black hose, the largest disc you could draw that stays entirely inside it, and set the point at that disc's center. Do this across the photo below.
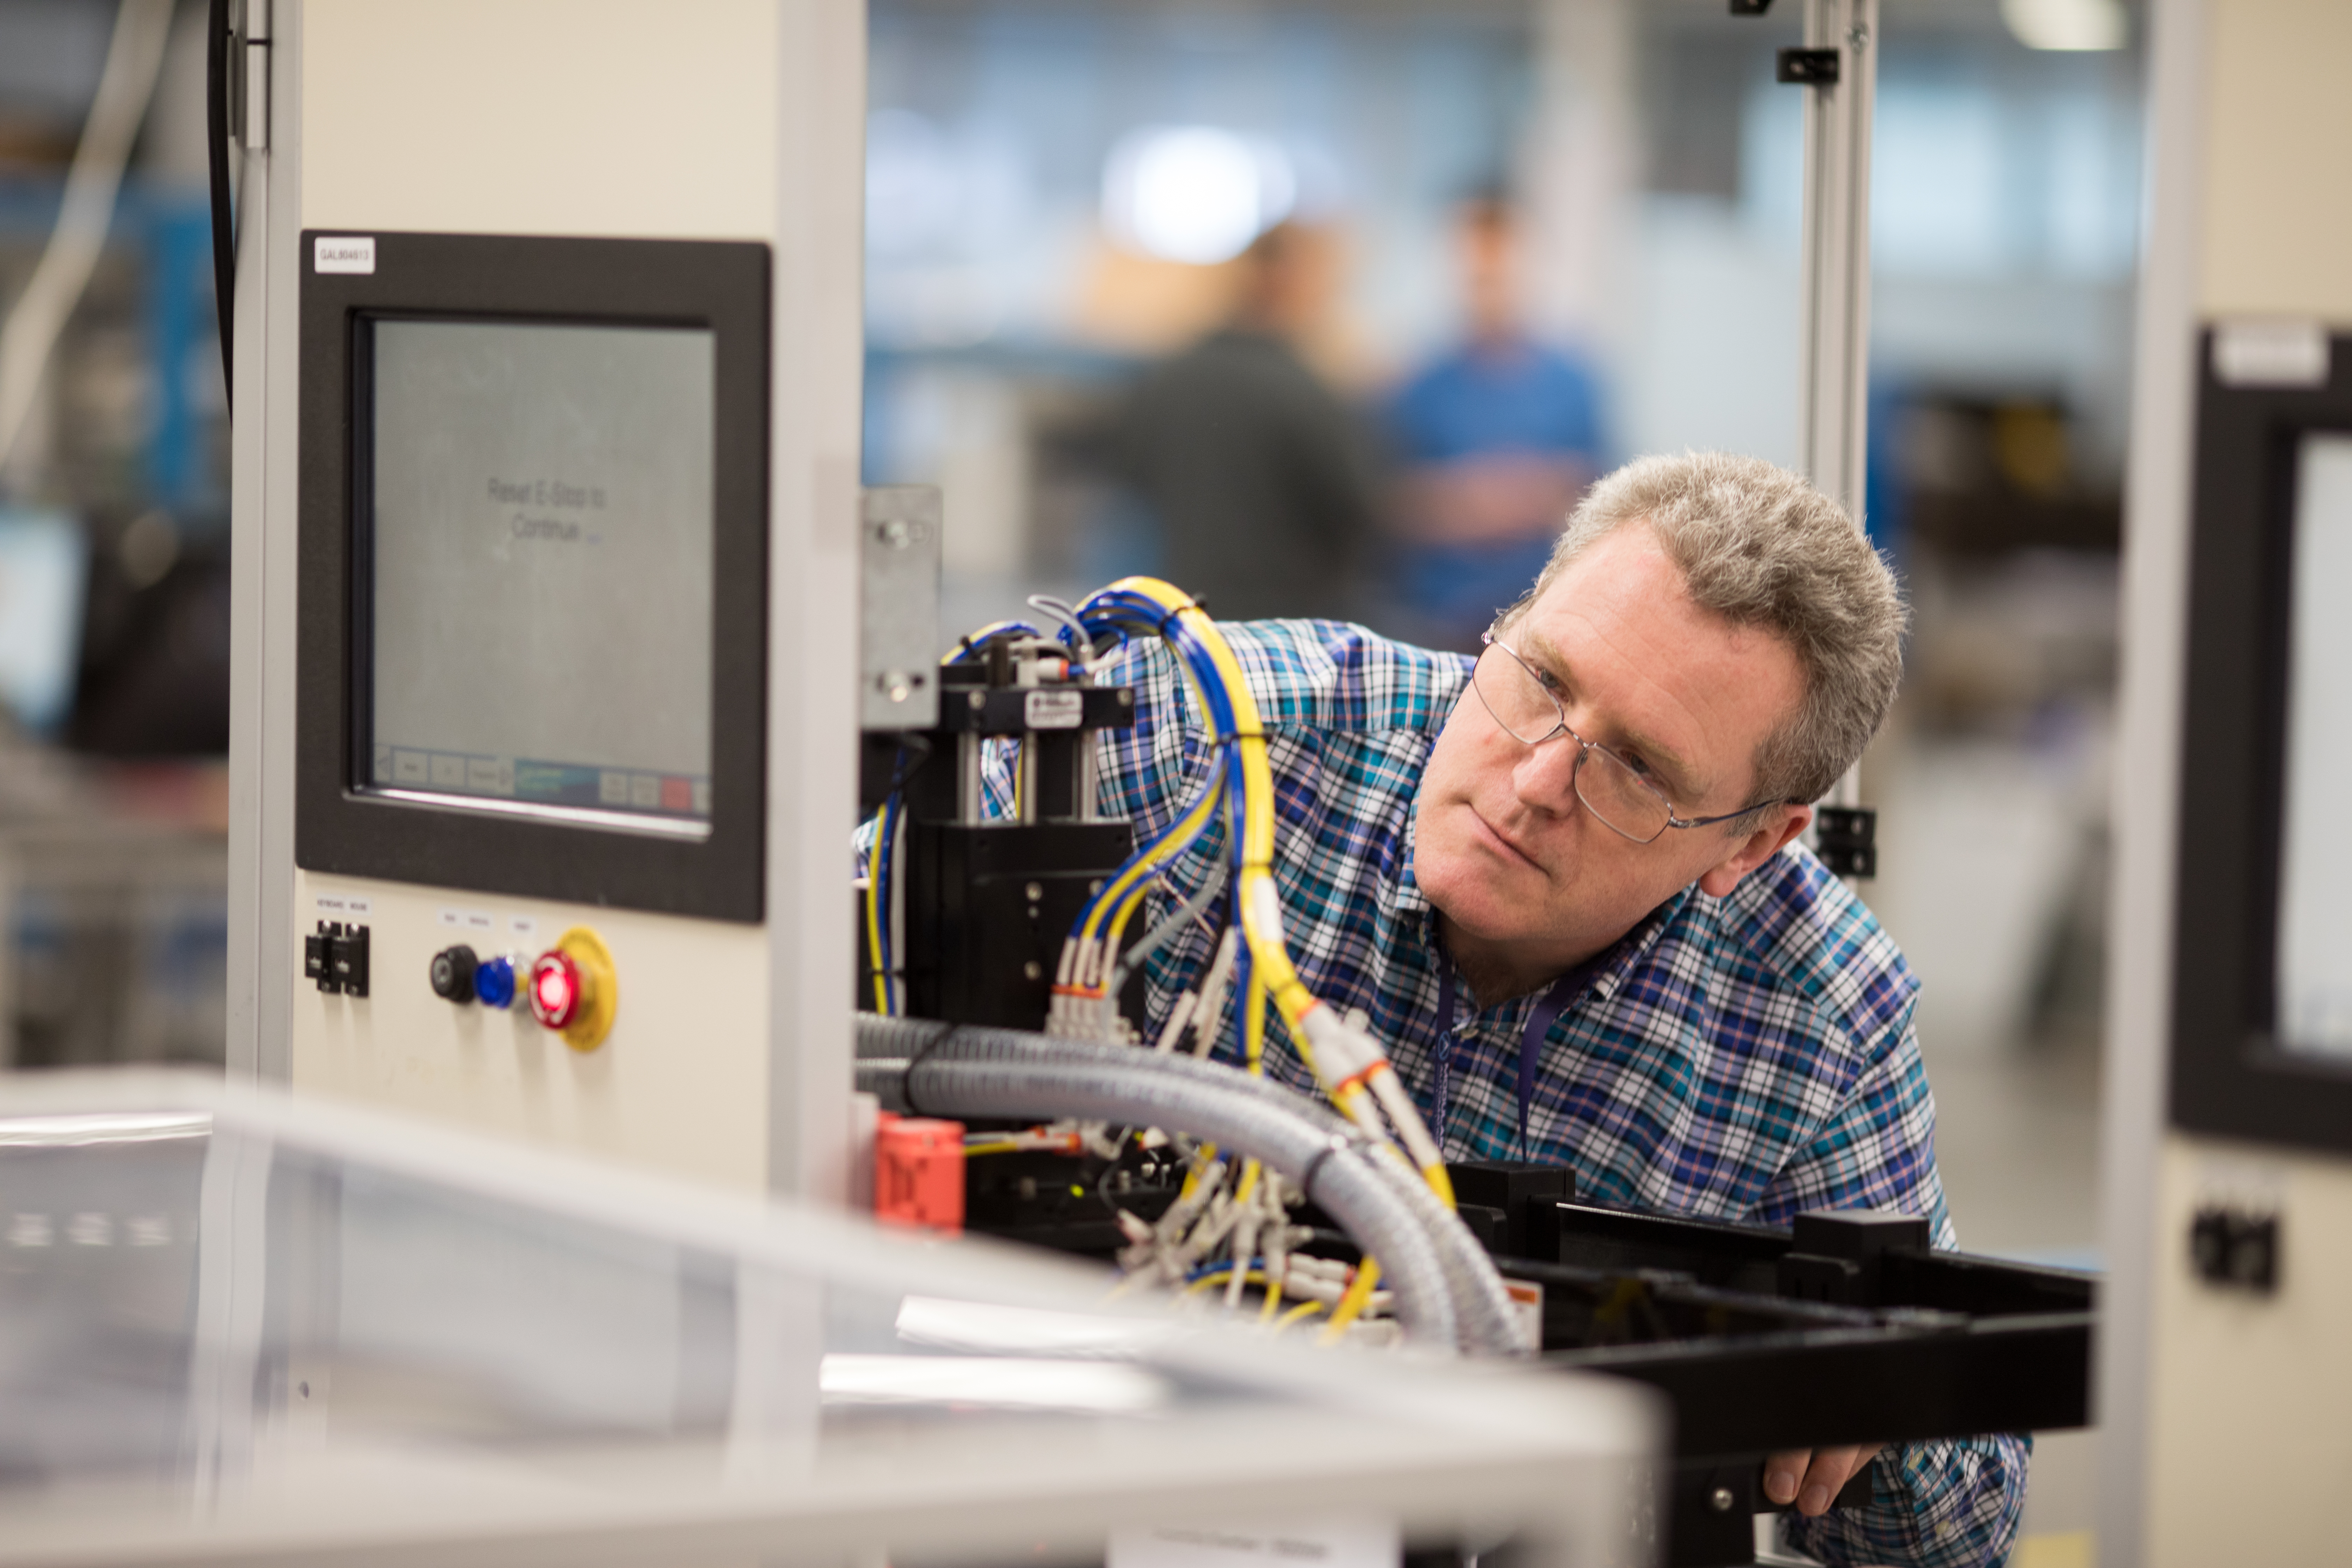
(218, 42)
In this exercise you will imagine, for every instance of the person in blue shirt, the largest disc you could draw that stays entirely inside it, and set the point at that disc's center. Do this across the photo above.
(1495, 439)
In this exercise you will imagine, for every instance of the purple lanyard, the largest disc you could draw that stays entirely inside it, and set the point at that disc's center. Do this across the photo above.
(1531, 1039)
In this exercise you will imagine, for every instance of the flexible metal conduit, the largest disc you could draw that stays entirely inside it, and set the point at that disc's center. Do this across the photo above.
(1448, 1291)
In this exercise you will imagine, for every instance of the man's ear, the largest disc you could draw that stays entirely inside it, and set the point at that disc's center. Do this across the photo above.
(1773, 830)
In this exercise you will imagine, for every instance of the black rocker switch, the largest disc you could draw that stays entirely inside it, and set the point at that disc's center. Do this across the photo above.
(336, 957)
(2236, 1249)
(453, 973)
(350, 959)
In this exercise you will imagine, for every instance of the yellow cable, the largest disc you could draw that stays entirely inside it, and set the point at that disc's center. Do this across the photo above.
(1256, 894)
(1181, 836)
(1440, 1182)
(1005, 1146)
(1261, 915)
(1207, 1159)
(1134, 880)
(1207, 1281)
(1304, 1310)
(1352, 1301)
(874, 909)
(1389, 1090)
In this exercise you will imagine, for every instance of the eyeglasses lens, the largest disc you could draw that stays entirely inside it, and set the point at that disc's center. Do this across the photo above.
(1515, 699)
(1609, 789)
(1617, 795)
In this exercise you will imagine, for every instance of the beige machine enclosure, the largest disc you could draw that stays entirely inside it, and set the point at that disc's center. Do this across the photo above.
(728, 120)
(2222, 1410)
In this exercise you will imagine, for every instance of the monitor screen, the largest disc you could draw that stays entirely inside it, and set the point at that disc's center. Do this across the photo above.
(538, 550)
(2314, 919)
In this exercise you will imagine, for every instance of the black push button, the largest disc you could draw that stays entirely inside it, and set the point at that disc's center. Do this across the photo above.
(453, 973)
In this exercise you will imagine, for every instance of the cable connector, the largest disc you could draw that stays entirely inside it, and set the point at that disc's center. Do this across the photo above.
(1343, 1053)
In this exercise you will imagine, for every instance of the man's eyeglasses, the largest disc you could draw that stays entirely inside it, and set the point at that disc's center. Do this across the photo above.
(1612, 788)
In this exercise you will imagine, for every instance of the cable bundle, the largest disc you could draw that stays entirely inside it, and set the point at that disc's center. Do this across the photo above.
(1350, 1064)
(1230, 1220)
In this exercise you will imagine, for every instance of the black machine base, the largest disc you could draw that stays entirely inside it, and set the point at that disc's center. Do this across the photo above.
(1845, 1328)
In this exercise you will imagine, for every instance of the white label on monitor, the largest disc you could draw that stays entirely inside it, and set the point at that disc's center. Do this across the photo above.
(1320, 1543)
(1055, 709)
(522, 925)
(2271, 353)
(343, 253)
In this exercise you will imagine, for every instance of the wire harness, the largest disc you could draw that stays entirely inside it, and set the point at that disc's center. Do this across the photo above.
(1349, 1064)
(1229, 1238)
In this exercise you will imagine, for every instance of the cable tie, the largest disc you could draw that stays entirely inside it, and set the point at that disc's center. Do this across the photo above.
(1193, 604)
(915, 1064)
(1338, 1145)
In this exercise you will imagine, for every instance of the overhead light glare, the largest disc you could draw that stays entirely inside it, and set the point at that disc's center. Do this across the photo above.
(1194, 193)
(2073, 24)
(991, 1383)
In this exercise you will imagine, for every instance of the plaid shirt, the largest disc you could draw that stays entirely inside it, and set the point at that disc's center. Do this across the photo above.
(1741, 1058)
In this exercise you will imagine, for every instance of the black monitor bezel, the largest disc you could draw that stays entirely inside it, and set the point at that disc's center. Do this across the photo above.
(721, 286)
(2229, 1074)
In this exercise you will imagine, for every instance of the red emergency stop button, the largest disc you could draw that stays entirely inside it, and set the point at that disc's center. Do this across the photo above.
(555, 988)
(573, 989)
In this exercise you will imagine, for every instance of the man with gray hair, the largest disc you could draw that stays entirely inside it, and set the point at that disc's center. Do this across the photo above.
(1564, 881)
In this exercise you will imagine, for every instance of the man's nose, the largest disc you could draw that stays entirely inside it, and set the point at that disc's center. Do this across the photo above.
(1545, 777)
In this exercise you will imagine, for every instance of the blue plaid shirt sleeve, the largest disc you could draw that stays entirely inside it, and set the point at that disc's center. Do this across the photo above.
(1952, 1503)
(1955, 1502)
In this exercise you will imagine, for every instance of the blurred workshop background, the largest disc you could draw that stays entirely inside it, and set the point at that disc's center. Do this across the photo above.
(1453, 256)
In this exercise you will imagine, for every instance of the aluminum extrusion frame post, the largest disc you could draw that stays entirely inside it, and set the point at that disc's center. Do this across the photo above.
(1834, 375)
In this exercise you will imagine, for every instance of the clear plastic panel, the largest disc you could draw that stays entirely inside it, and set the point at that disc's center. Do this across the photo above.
(235, 1326)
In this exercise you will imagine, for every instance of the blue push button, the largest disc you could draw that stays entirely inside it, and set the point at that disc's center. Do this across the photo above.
(494, 982)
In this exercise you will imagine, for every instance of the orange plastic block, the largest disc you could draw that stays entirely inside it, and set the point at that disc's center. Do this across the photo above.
(919, 1173)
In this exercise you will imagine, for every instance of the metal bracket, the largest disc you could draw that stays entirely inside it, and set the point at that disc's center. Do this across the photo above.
(898, 620)
(1806, 68)
(1846, 840)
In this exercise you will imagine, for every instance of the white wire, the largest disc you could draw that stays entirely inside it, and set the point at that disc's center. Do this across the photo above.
(1045, 604)
(133, 56)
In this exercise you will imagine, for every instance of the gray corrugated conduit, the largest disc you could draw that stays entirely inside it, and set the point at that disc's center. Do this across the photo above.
(1447, 1292)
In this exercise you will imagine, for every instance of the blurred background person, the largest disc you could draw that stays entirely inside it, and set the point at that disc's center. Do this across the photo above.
(1260, 478)
(1499, 436)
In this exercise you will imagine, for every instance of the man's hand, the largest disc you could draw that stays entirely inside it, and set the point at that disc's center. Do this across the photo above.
(1812, 1478)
